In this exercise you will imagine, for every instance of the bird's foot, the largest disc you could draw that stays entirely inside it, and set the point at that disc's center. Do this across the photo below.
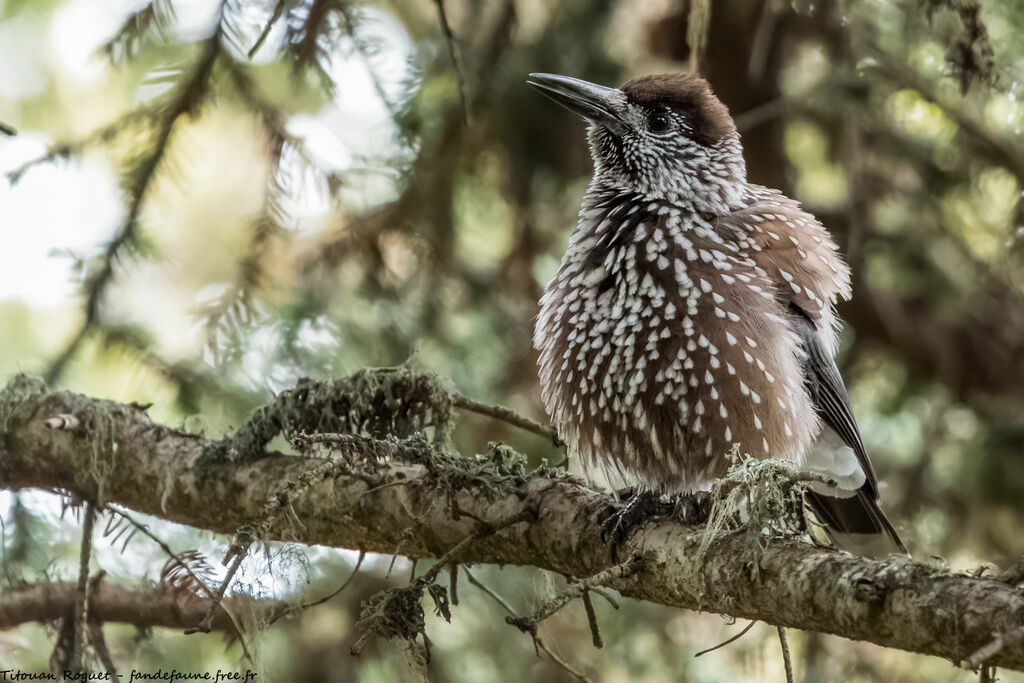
(692, 509)
(619, 521)
(618, 524)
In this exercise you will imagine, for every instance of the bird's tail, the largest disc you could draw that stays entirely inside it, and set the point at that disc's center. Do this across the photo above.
(855, 522)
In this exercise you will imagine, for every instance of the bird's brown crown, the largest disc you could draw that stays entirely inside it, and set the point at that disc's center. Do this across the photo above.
(691, 97)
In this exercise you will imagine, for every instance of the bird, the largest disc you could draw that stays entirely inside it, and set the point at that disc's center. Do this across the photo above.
(694, 310)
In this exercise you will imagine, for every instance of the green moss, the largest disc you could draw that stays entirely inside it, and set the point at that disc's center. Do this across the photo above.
(397, 614)
(500, 470)
(506, 460)
(97, 433)
(377, 403)
(763, 498)
(19, 388)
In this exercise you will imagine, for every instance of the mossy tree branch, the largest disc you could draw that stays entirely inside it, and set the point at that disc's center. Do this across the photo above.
(382, 493)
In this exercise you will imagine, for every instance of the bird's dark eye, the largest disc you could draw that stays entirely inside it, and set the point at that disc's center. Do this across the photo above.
(658, 122)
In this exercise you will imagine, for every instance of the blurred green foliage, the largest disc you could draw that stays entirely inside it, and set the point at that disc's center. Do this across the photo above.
(339, 201)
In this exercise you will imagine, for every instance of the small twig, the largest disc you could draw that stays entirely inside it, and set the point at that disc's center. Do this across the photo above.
(361, 641)
(606, 595)
(391, 565)
(506, 415)
(455, 56)
(65, 422)
(355, 570)
(445, 559)
(95, 630)
(319, 601)
(537, 642)
(453, 584)
(497, 598)
(575, 590)
(278, 11)
(730, 640)
(578, 675)
(482, 530)
(166, 548)
(102, 134)
(1011, 638)
(595, 632)
(304, 39)
(7, 130)
(786, 661)
(374, 489)
(235, 554)
(80, 615)
(282, 500)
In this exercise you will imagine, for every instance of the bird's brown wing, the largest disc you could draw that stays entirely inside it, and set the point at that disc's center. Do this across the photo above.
(798, 255)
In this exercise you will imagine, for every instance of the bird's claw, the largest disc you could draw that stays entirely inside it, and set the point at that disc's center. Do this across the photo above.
(619, 523)
(692, 509)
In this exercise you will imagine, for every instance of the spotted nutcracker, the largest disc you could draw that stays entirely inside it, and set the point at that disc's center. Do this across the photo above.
(694, 310)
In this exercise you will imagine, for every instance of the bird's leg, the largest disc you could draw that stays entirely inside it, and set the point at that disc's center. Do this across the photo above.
(691, 509)
(619, 524)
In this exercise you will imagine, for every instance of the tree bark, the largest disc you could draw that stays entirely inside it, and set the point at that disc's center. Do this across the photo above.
(143, 607)
(392, 496)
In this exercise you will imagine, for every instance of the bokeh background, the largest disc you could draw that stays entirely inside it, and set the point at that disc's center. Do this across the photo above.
(194, 223)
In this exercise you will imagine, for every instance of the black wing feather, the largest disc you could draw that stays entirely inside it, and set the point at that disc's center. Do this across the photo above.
(859, 514)
(828, 394)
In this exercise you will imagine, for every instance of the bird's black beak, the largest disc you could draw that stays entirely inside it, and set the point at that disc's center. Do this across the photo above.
(594, 102)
